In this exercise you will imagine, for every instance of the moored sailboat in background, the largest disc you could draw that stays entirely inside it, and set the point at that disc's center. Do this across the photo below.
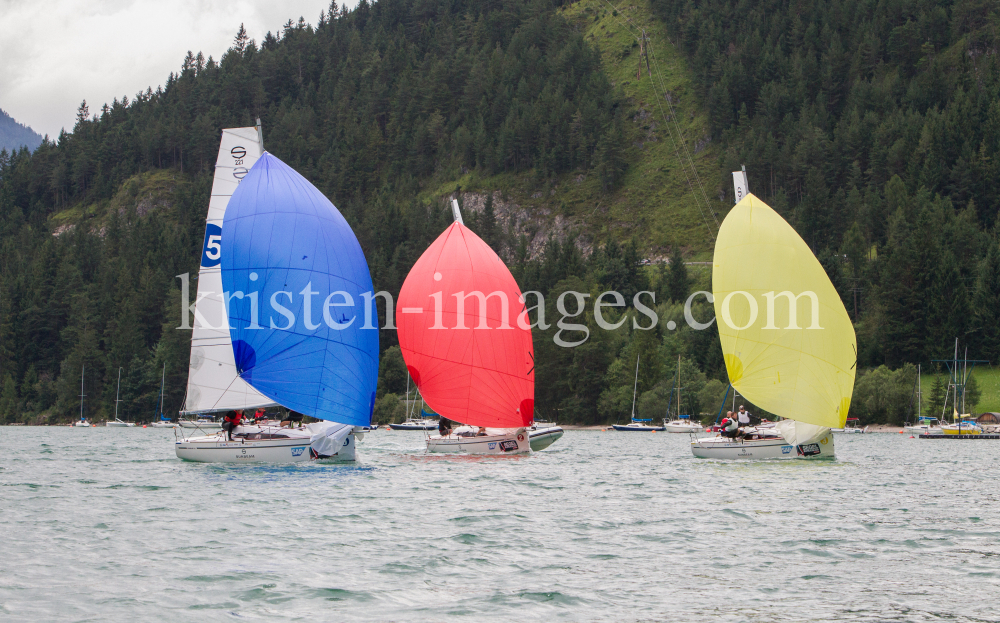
(803, 374)
(637, 425)
(117, 423)
(471, 365)
(684, 422)
(82, 422)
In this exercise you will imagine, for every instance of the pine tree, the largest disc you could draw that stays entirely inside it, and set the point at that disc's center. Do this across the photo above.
(679, 284)
(936, 402)
(9, 406)
(986, 306)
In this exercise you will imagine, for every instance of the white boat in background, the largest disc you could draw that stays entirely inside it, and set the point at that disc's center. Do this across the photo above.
(803, 375)
(82, 422)
(275, 224)
(925, 426)
(416, 424)
(470, 373)
(163, 421)
(117, 423)
(637, 425)
(683, 424)
(851, 427)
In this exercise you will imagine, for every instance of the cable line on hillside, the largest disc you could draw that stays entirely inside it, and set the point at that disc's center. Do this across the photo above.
(685, 159)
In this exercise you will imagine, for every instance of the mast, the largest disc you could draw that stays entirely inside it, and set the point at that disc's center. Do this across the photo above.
(635, 386)
(456, 213)
(919, 403)
(260, 135)
(408, 395)
(678, 386)
(163, 378)
(82, 370)
(118, 392)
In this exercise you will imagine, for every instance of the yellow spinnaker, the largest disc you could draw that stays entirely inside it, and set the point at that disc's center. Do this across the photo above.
(797, 364)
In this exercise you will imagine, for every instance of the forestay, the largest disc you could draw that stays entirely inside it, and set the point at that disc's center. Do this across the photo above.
(213, 384)
(297, 276)
(788, 343)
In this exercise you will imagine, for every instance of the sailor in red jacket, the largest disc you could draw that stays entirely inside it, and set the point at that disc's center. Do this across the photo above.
(230, 422)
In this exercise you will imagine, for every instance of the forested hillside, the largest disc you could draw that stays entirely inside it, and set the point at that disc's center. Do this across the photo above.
(14, 135)
(872, 130)
(875, 128)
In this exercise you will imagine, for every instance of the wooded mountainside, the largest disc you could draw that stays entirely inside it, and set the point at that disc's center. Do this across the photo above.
(874, 128)
(14, 135)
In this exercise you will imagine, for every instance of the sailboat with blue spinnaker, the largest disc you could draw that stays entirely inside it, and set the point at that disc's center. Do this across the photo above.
(284, 245)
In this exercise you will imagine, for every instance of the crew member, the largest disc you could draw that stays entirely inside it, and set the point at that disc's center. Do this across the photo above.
(444, 427)
(230, 422)
(743, 416)
(258, 416)
(730, 427)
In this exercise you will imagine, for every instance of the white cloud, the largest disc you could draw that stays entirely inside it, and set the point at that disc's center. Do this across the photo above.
(55, 53)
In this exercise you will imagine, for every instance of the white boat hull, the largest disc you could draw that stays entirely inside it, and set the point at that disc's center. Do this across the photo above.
(719, 447)
(680, 426)
(163, 425)
(82, 424)
(216, 449)
(517, 442)
(542, 438)
(415, 426)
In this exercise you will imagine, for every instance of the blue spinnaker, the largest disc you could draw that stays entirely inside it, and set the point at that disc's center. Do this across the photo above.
(294, 273)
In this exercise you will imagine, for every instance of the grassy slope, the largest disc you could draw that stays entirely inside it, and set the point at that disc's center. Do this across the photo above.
(655, 200)
(988, 379)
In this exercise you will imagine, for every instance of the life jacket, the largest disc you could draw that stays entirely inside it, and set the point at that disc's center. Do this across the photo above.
(234, 418)
(729, 426)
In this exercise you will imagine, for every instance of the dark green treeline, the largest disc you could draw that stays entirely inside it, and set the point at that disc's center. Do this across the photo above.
(870, 126)
(874, 127)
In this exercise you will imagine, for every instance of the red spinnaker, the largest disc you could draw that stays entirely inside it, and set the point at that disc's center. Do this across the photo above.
(467, 372)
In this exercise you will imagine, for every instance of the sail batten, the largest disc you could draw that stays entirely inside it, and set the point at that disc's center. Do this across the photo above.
(787, 341)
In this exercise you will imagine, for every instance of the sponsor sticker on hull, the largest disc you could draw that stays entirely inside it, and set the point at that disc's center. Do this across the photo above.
(508, 445)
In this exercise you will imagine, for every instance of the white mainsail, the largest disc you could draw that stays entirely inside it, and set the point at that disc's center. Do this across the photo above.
(213, 384)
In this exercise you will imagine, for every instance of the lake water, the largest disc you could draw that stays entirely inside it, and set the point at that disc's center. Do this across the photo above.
(107, 525)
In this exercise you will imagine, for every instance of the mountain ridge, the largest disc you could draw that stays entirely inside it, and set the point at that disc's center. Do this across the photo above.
(14, 135)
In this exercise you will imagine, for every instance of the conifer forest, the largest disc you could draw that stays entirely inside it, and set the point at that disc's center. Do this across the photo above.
(872, 126)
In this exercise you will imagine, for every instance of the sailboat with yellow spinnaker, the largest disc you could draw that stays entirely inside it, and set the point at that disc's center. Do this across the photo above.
(788, 343)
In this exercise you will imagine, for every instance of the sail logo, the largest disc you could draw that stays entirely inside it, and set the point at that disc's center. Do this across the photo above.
(239, 153)
(211, 252)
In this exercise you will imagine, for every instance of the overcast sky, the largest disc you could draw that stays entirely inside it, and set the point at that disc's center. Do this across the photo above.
(55, 53)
